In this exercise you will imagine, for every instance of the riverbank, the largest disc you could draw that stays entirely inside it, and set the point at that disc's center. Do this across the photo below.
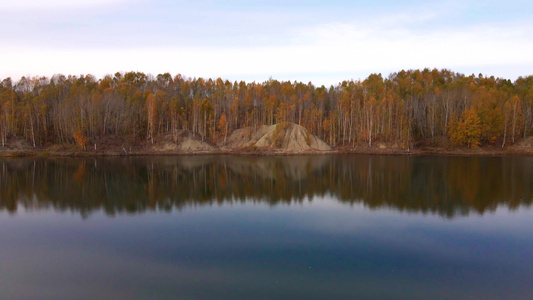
(293, 141)
(67, 151)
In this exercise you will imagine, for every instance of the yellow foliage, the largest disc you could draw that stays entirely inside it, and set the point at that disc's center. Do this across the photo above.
(81, 138)
(223, 124)
(467, 131)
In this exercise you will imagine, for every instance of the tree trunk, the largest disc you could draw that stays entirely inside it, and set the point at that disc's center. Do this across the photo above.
(504, 134)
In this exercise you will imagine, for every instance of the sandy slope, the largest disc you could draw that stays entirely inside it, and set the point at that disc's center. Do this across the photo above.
(182, 142)
(285, 137)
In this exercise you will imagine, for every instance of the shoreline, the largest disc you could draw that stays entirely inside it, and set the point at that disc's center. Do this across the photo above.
(478, 152)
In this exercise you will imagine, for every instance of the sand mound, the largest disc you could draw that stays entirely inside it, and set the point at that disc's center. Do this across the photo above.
(18, 144)
(183, 141)
(287, 137)
(246, 137)
(526, 142)
(190, 144)
(523, 146)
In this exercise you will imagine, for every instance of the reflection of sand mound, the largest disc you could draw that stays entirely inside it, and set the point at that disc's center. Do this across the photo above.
(292, 168)
(283, 136)
(265, 167)
(184, 141)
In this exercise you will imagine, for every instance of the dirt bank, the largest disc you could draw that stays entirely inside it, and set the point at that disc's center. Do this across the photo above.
(280, 139)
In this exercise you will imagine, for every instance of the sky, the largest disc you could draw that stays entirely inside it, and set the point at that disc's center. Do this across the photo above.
(325, 42)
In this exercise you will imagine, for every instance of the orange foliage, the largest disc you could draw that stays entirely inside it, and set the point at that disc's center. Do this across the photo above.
(81, 138)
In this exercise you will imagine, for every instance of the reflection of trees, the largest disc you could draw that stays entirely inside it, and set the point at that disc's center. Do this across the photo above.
(446, 186)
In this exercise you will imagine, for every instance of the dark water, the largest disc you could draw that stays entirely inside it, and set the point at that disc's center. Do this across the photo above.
(310, 227)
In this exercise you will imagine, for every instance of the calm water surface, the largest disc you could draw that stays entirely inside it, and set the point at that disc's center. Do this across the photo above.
(309, 227)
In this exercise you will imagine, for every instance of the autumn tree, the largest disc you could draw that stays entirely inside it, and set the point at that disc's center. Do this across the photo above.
(466, 131)
(80, 138)
(223, 126)
(152, 112)
(207, 111)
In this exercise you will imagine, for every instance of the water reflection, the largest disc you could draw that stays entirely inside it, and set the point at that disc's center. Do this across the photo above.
(447, 186)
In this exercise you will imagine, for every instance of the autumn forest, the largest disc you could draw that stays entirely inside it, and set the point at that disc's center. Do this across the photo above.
(407, 108)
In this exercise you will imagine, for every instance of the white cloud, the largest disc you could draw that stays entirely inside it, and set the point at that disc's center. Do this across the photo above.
(361, 53)
(384, 44)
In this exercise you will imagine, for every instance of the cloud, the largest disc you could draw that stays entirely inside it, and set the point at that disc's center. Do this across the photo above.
(371, 51)
(323, 50)
(376, 46)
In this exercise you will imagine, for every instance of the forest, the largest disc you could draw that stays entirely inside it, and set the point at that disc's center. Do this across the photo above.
(407, 108)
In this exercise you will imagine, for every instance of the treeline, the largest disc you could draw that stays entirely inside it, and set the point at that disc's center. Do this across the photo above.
(405, 108)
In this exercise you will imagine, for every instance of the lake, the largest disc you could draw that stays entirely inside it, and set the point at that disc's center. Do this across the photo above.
(253, 227)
